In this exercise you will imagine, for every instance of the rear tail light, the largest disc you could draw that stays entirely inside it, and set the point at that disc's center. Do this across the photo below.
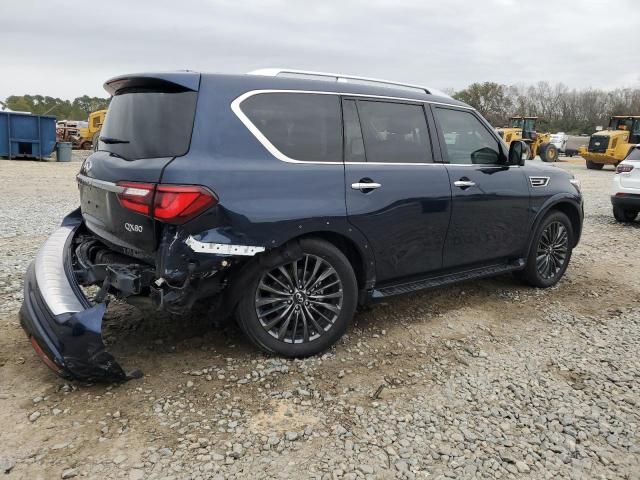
(624, 168)
(137, 197)
(175, 204)
(179, 203)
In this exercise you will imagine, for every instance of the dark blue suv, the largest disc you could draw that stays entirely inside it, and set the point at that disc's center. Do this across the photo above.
(288, 199)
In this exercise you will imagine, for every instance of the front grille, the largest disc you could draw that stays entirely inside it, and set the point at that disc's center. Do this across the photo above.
(598, 143)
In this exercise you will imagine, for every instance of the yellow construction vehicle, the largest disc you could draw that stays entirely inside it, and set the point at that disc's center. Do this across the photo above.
(611, 146)
(91, 133)
(524, 129)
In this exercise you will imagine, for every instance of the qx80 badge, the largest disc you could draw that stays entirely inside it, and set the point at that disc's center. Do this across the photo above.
(130, 227)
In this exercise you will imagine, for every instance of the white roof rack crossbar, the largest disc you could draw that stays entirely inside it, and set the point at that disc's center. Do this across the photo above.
(340, 77)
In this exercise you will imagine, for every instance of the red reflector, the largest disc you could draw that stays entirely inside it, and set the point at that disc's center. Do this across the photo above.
(179, 203)
(43, 356)
(168, 203)
(624, 168)
(136, 197)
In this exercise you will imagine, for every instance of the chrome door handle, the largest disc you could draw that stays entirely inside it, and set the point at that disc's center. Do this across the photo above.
(464, 183)
(365, 185)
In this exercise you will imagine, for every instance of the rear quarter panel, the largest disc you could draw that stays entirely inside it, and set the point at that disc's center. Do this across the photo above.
(263, 201)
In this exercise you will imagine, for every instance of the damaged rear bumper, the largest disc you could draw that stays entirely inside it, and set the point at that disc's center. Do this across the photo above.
(63, 327)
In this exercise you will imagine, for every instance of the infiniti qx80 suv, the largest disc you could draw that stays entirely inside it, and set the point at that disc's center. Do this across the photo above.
(287, 199)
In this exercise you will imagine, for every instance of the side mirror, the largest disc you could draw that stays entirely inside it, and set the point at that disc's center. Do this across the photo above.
(517, 153)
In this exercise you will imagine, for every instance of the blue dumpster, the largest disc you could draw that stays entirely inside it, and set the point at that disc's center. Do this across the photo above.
(23, 135)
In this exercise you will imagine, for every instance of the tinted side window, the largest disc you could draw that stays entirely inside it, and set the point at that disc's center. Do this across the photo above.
(466, 139)
(353, 142)
(303, 126)
(394, 132)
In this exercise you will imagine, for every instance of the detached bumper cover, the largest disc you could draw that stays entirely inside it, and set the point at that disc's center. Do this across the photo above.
(61, 323)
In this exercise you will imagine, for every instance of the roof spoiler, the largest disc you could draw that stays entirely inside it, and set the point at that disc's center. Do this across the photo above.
(185, 80)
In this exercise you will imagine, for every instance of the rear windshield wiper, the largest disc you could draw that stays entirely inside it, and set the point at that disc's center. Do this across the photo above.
(110, 140)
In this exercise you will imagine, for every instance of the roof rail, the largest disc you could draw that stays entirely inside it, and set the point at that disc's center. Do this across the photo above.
(340, 77)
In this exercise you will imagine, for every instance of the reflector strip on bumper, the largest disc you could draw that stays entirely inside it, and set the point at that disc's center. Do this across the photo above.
(52, 279)
(223, 248)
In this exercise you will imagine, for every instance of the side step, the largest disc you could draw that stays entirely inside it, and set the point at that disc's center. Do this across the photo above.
(447, 279)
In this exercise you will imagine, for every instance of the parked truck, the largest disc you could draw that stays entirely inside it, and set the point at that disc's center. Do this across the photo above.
(82, 135)
(611, 146)
(92, 132)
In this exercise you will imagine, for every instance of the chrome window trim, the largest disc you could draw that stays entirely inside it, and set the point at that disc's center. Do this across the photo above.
(235, 107)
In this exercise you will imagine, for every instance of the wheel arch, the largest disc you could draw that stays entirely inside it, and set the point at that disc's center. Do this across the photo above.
(362, 263)
(361, 260)
(566, 205)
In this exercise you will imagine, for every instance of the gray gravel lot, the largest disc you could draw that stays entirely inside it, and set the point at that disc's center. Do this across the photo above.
(488, 379)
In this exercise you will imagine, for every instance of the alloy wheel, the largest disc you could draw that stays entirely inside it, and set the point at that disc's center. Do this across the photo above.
(552, 250)
(300, 301)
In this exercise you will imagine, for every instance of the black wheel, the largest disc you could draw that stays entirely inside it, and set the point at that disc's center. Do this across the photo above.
(624, 214)
(548, 152)
(594, 166)
(301, 307)
(550, 251)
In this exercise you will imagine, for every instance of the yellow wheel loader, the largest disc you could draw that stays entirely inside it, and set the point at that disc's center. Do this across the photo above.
(524, 129)
(91, 133)
(611, 146)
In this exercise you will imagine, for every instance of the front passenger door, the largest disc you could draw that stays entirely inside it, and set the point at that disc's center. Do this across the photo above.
(490, 199)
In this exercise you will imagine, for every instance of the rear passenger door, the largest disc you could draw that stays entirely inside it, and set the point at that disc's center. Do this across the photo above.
(396, 195)
(490, 200)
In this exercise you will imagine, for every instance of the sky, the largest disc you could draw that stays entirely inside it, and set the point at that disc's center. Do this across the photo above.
(69, 48)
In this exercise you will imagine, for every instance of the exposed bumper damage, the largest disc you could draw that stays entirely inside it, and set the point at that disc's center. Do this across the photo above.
(63, 327)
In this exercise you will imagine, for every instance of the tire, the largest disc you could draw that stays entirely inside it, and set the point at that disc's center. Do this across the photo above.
(548, 152)
(550, 251)
(299, 307)
(86, 145)
(624, 214)
(594, 166)
(527, 152)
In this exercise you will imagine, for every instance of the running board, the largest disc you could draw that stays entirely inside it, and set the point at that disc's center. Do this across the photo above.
(447, 279)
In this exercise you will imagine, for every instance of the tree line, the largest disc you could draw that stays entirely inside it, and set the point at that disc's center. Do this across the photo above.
(76, 109)
(559, 108)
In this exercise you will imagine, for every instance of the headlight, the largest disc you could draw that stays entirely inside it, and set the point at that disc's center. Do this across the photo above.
(576, 183)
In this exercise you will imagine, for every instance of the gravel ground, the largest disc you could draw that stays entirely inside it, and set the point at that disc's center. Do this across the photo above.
(487, 379)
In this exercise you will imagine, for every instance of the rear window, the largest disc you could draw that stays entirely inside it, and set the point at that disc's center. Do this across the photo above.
(303, 126)
(144, 123)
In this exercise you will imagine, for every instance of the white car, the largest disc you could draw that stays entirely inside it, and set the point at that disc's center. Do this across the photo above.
(626, 187)
(559, 140)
